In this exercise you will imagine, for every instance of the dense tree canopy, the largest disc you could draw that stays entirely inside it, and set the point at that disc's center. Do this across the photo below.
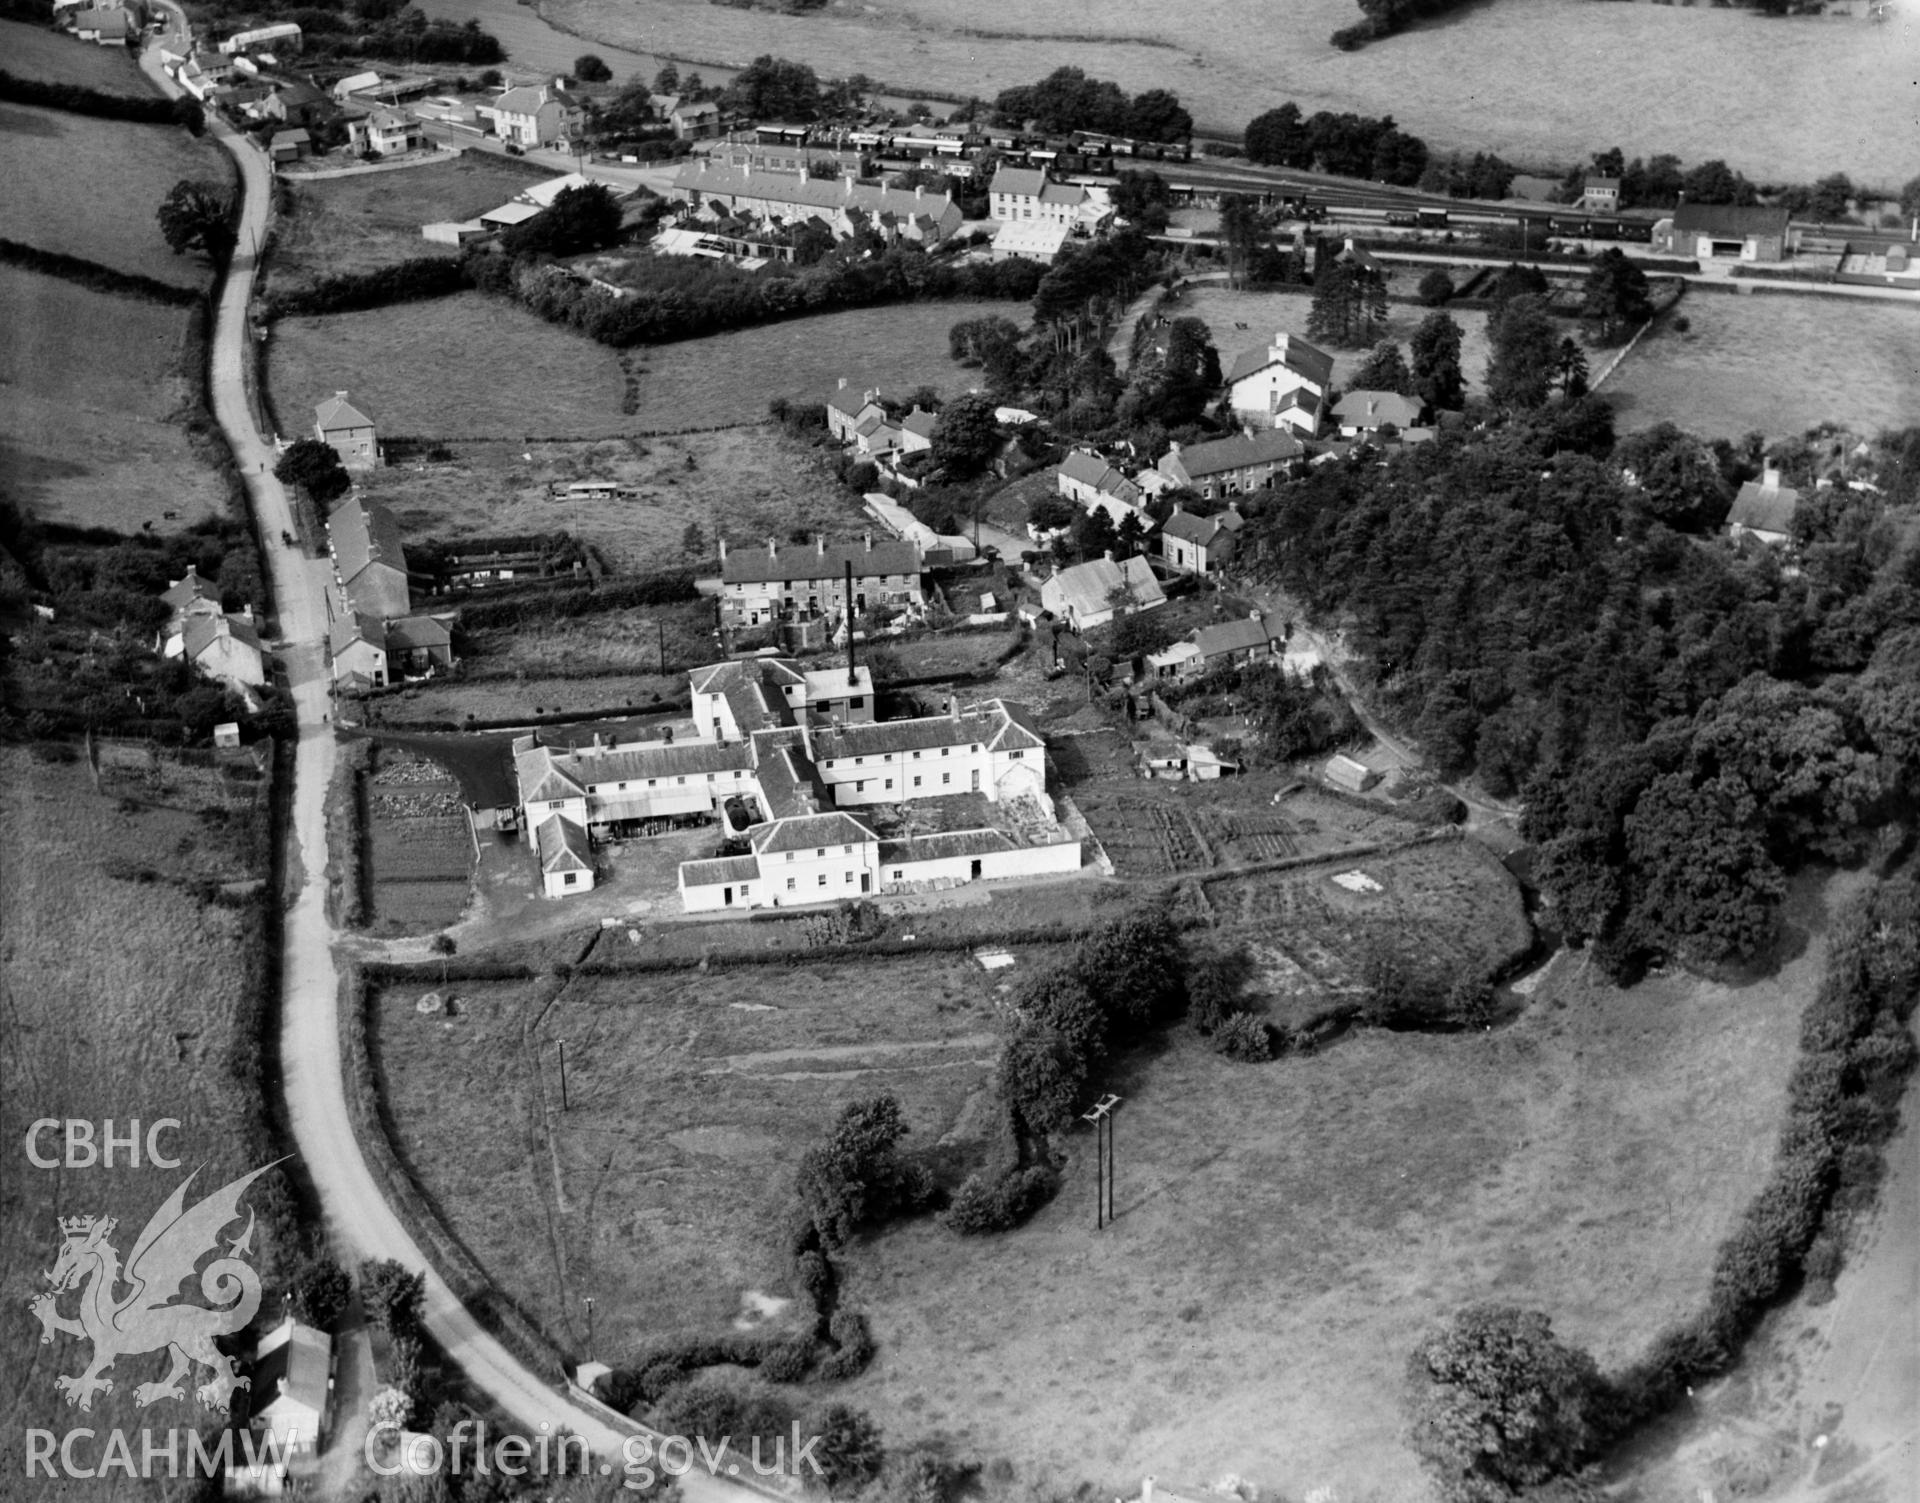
(771, 88)
(578, 220)
(1067, 100)
(198, 216)
(315, 467)
(965, 435)
(1345, 144)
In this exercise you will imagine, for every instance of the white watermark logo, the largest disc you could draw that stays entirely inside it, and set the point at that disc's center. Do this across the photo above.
(148, 1318)
(88, 1454)
(644, 1459)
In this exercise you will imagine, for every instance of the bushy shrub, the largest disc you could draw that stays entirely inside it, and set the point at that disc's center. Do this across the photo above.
(988, 1203)
(853, 1346)
(789, 1362)
(1245, 1038)
(347, 292)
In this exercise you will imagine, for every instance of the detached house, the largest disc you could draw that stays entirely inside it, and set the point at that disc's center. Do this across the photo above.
(1198, 545)
(848, 408)
(1360, 413)
(760, 587)
(107, 27)
(298, 104)
(1282, 386)
(223, 646)
(292, 1388)
(348, 430)
(385, 133)
(1764, 509)
(1230, 466)
(531, 116)
(1090, 595)
(358, 645)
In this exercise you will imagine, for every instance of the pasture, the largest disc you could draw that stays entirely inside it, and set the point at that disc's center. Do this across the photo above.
(1854, 362)
(39, 52)
(130, 993)
(1240, 321)
(746, 484)
(90, 422)
(1285, 1231)
(348, 225)
(89, 188)
(1517, 78)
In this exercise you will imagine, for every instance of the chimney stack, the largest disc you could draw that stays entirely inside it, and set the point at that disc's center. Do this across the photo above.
(723, 553)
(773, 548)
(820, 545)
(869, 537)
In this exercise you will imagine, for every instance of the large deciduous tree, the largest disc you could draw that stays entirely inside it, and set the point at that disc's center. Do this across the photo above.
(580, 219)
(198, 216)
(1521, 368)
(966, 436)
(1279, 138)
(1437, 377)
(315, 467)
(772, 88)
(1615, 297)
(1384, 369)
(1501, 1404)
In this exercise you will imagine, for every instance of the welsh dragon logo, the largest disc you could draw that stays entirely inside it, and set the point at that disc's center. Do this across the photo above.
(149, 1317)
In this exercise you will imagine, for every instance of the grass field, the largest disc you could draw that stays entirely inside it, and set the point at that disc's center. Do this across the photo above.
(746, 484)
(1267, 313)
(90, 187)
(1285, 1232)
(37, 52)
(127, 996)
(1517, 77)
(436, 368)
(1854, 363)
(90, 385)
(354, 224)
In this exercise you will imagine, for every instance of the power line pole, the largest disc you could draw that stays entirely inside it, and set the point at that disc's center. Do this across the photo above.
(1102, 1119)
(563, 1075)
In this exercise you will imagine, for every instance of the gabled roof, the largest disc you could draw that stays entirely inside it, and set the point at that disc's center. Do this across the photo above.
(947, 845)
(717, 871)
(411, 633)
(920, 424)
(1203, 532)
(353, 627)
(300, 95)
(802, 561)
(1017, 729)
(295, 137)
(541, 776)
(706, 177)
(808, 832)
(524, 100)
(337, 413)
(1764, 508)
(1371, 409)
(851, 400)
(1085, 589)
(201, 632)
(716, 678)
(1269, 446)
(1287, 350)
(293, 1365)
(563, 846)
(1021, 182)
(364, 533)
(1242, 635)
(1730, 221)
(1091, 469)
(191, 586)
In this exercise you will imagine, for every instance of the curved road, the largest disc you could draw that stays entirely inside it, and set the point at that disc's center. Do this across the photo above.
(359, 1223)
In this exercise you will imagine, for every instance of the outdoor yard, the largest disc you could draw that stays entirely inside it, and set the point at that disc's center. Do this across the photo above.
(1285, 1231)
(40, 53)
(1854, 363)
(133, 991)
(1515, 78)
(109, 367)
(47, 155)
(744, 484)
(346, 225)
(1242, 321)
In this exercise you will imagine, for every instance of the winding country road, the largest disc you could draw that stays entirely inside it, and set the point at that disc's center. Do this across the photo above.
(359, 1223)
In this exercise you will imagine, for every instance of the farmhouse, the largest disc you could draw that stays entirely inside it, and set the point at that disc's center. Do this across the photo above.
(348, 430)
(369, 563)
(844, 206)
(1249, 639)
(1198, 545)
(385, 133)
(1282, 386)
(1091, 594)
(1226, 466)
(847, 409)
(789, 754)
(691, 119)
(1086, 478)
(1724, 232)
(797, 583)
(1764, 509)
(224, 647)
(292, 1388)
(1366, 412)
(916, 430)
(358, 646)
(530, 116)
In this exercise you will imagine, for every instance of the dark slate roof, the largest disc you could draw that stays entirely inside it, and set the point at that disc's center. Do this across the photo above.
(191, 586)
(1242, 635)
(337, 412)
(809, 832)
(718, 870)
(412, 632)
(1369, 409)
(354, 627)
(1730, 221)
(563, 846)
(935, 847)
(1764, 508)
(365, 533)
(1269, 446)
(804, 561)
(1189, 528)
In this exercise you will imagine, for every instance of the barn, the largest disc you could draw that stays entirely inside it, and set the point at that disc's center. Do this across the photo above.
(1725, 232)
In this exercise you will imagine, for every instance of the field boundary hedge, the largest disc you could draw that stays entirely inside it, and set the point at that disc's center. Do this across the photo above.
(95, 277)
(464, 1275)
(414, 280)
(77, 99)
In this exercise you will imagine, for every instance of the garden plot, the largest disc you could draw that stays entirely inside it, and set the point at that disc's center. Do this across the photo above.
(419, 844)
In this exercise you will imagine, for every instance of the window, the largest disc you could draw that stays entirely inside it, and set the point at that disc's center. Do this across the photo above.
(889, 782)
(846, 850)
(680, 780)
(789, 857)
(789, 884)
(898, 875)
(946, 751)
(860, 785)
(572, 877)
(651, 782)
(916, 780)
(817, 855)
(946, 777)
(856, 701)
(823, 879)
(859, 761)
(848, 879)
(916, 756)
(623, 787)
(558, 803)
(1017, 755)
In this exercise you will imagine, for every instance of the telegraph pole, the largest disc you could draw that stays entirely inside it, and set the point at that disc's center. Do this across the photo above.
(1102, 1119)
(563, 1075)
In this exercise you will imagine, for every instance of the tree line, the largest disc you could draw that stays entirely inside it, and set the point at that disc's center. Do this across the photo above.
(76, 99)
(1382, 18)
(1066, 100)
(1344, 144)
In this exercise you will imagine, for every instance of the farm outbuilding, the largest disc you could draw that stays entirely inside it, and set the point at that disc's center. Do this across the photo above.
(1724, 232)
(1344, 772)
